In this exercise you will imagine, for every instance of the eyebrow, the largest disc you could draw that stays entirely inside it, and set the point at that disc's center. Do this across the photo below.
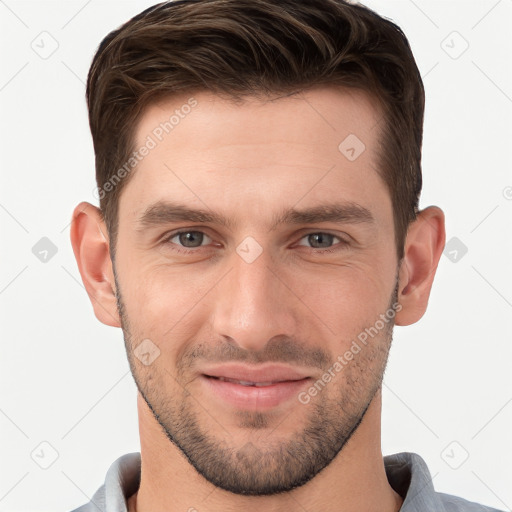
(165, 212)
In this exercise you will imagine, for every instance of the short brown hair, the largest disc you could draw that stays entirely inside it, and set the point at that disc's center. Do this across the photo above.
(241, 48)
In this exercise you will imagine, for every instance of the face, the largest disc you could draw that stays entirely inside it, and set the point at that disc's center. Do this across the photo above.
(258, 329)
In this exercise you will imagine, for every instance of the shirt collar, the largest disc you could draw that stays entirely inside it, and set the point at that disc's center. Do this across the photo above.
(407, 473)
(409, 476)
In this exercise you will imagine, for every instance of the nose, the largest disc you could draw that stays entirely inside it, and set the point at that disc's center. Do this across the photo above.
(253, 304)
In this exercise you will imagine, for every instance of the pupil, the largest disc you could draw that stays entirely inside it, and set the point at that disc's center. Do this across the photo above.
(191, 236)
(323, 239)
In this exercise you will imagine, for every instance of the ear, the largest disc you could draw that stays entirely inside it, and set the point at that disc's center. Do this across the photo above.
(423, 248)
(92, 252)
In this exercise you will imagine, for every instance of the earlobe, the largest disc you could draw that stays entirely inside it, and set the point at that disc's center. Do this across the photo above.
(423, 248)
(90, 245)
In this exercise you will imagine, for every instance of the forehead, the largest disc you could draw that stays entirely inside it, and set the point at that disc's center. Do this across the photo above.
(210, 151)
(312, 113)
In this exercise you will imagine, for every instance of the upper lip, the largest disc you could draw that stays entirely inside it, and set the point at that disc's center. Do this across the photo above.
(260, 373)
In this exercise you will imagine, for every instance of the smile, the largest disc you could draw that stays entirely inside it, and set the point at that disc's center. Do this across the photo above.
(246, 383)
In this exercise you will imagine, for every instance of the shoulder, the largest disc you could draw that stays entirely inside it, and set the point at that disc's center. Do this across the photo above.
(97, 503)
(410, 477)
(121, 481)
(455, 504)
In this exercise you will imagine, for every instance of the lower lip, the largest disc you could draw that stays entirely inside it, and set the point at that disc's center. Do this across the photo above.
(254, 397)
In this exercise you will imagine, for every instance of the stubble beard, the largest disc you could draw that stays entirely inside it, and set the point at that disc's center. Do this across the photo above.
(269, 465)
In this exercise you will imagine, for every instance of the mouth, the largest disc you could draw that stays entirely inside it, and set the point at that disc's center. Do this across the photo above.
(247, 383)
(253, 388)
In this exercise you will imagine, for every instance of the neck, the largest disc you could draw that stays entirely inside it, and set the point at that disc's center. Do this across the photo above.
(354, 480)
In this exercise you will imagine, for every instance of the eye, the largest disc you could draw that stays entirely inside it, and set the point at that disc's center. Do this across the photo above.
(321, 240)
(190, 241)
(187, 240)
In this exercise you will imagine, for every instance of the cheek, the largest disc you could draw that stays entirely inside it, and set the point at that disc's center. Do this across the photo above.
(347, 299)
(352, 291)
(163, 304)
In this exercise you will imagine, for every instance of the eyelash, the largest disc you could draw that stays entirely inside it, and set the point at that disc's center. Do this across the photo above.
(167, 241)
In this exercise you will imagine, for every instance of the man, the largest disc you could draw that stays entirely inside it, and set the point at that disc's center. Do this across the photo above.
(259, 168)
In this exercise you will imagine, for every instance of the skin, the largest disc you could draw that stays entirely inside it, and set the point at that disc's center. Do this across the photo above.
(293, 304)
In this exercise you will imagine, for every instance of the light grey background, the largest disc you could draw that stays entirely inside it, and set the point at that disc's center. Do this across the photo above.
(65, 379)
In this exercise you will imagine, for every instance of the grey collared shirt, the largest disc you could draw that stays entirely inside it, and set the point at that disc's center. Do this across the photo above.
(407, 473)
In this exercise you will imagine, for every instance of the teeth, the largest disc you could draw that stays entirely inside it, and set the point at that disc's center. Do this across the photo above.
(246, 383)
